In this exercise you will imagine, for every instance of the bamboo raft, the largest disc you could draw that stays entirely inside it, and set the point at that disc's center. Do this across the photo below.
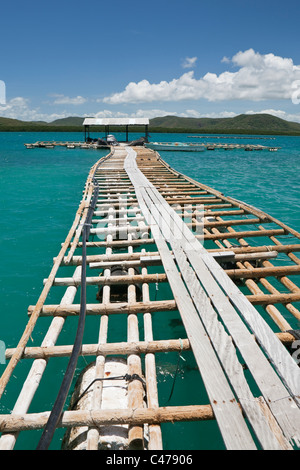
(71, 145)
(232, 276)
(95, 145)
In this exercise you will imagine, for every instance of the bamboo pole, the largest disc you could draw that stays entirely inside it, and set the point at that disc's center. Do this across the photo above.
(80, 225)
(264, 299)
(223, 223)
(265, 248)
(135, 388)
(77, 260)
(155, 436)
(31, 384)
(107, 309)
(137, 417)
(117, 256)
(93, 433)
(250, 209)
(119, 243)
(112, 280)
(274, 313)
(248, 233)
(105, 349)
(262, 272)
(38, 307)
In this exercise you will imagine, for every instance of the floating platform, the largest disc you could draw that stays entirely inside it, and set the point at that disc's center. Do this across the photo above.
(70, 144)
(165, 146)
(192, 147)
(232, 277)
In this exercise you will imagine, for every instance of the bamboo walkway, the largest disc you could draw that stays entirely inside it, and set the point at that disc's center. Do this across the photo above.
(231, 270)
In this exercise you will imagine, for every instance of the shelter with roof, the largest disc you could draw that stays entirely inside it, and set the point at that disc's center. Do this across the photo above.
(114, 122)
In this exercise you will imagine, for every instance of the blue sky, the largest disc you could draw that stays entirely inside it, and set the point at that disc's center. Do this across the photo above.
(134, 58)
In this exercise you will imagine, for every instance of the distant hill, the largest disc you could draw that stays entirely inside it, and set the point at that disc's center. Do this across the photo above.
(66, 124)
(242, 124)
(69, 121)
(249, 123)
(7, 123)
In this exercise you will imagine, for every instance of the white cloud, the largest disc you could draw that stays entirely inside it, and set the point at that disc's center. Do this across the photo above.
(62, 99)
(225, 60)
(278, 113)
(259, 77)
(19, 108)
(189, 62)
(193, 113)
(156, 112)
(107, 114)
(149, 113)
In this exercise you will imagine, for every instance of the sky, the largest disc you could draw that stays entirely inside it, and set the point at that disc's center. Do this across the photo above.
(118, 58)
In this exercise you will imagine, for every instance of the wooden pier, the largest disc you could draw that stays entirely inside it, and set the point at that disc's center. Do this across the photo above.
(232, 274)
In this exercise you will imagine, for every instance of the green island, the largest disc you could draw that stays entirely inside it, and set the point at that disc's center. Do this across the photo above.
(259, 124)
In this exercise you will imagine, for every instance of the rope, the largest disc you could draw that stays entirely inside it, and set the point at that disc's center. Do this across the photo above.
(57, 409)
(127, 377)
(295, 333)
(176, 372)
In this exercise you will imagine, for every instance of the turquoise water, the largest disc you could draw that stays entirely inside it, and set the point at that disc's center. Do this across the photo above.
(40, 193)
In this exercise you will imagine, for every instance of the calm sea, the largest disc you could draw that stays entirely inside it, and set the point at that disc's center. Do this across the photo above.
(40, 192)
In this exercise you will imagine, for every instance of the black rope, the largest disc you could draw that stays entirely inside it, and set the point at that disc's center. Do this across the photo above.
(295, 333)
(92, 207)
(127, 377)
(57, 409)
(176, 372)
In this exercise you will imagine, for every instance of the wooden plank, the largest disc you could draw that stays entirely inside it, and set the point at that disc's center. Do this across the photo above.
(224, 347)
(284, 409)
(288, 426)
(232, 426)
(239, 298)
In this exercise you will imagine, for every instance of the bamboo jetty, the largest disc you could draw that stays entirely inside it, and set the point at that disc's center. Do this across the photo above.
(231, 272)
